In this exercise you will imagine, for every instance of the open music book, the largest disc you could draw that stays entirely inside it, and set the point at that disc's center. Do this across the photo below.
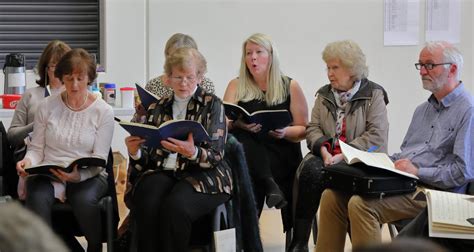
(80, 162)
(450, 215)
(374, 159)
(269, 119)
(178, 129)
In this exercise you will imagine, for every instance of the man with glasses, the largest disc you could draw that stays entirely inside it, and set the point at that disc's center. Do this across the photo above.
(437, 148)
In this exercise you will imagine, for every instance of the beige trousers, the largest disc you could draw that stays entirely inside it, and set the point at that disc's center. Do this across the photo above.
(365, 216)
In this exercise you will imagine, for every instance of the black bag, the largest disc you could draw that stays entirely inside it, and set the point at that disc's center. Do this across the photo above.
(365, 180)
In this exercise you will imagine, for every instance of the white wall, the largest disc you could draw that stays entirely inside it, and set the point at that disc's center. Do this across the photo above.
(300, 30)
(136, 31)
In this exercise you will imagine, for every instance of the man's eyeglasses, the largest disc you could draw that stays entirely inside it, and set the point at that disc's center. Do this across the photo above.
(429, 66)
(179, 79)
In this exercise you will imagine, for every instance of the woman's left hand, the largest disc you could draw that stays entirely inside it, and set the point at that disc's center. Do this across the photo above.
(336, 158)
(185, 148)
(73, 177)
(278, 133)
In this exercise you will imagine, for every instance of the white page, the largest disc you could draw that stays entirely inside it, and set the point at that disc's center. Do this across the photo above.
(443, 20)
(379, 160)
(224, 240)
(449, 208)
(401, 22)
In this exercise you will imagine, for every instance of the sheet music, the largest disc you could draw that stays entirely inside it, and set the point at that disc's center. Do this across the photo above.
(224, 240)
(401, 22)
(443, 20)
(453, 208)
(379, 160)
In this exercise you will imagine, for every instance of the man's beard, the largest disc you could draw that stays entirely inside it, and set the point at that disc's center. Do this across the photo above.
(433, 85)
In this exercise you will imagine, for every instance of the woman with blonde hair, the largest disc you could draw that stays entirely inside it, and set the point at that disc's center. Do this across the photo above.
(272, 156)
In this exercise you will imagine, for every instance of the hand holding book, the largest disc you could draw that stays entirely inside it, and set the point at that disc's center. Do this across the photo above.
(186, 148)
(52, 169)
(267, 119)
(74, 176)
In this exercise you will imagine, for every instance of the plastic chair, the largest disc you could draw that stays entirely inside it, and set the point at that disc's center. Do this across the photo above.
(220, 219)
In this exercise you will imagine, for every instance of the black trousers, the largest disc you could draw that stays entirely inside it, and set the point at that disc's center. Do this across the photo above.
(84, 198)
(164, 210)
(309, 187)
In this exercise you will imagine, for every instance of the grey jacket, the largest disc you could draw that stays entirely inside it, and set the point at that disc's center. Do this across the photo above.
(366, 118)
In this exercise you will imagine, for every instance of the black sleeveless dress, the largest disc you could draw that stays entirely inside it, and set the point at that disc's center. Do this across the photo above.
(266, 154)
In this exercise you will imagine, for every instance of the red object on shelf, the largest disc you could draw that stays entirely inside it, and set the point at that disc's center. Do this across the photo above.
(10, 100)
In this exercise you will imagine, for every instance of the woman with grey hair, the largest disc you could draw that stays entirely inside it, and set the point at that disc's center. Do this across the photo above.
(182, 180)
(159, 85)
(351, 109)
(272, 156)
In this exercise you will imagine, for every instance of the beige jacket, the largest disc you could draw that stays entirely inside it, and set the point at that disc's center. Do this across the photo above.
(366, 119)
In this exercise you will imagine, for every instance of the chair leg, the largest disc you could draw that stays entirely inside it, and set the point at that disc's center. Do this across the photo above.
(315, 229)
(393, 230)
(289, 237)
(109, 223)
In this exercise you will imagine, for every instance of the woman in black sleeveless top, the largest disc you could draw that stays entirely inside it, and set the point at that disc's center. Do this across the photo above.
(274, 155)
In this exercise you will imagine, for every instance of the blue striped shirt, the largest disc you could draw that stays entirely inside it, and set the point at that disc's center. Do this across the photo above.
(439, 141)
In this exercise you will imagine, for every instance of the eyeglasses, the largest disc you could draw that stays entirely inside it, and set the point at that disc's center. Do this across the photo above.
(179, 79)
(429, 66)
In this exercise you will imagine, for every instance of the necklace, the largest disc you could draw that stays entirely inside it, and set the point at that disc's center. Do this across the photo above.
(80, 107)
(181, 111)
(180, 108)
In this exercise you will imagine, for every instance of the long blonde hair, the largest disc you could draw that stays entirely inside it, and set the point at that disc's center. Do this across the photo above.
(277, 90)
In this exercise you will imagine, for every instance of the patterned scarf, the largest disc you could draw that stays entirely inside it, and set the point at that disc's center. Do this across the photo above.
(342, 98)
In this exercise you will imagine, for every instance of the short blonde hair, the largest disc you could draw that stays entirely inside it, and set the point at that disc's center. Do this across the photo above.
(247, 90)
(350, 55)
(185, 57)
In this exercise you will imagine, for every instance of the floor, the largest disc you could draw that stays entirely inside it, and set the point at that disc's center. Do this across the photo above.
(271, 229)
(273, 238)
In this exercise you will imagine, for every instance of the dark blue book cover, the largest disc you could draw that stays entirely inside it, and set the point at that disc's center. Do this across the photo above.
(80, 162)
(146, 97)
(178, 129)
(269, 119)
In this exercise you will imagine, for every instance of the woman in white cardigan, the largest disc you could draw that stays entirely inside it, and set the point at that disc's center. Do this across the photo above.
(68, 126)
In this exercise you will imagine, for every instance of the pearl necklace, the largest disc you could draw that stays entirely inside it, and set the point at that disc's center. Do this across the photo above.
(80, 107)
